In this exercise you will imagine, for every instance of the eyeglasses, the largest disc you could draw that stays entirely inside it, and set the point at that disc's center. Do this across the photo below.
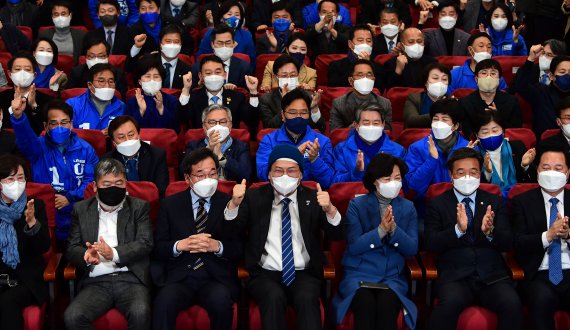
(211, 175)
(54, 123)
(295, 113)
(103, 81)
(292, 172)
(222, 122)
(12, 179)
(362, 75)
(485, 73)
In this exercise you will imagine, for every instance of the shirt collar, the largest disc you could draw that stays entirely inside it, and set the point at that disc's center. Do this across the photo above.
(460, 197)
(278, 197)
(210, 95)
(547, 197)
(115, 211)
(196, 198)
(114, 29)
(173, 62)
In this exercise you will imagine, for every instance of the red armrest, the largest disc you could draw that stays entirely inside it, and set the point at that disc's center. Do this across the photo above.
(328, 268)
(428, 260)
(414, 268)
(516, 271)
(69, 272)
(51, 267)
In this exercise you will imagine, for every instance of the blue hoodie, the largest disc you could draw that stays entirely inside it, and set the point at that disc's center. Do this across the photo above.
(86, 116)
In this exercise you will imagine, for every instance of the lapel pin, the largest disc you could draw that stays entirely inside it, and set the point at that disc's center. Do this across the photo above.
(228, 100)
(308, 202)
(481, 203)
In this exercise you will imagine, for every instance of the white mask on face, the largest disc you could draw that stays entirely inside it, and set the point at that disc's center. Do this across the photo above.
(96, 60)
(440, 130)
(480, 56)
(544, 63)
(390, 189)
(205, 188)
(44, 58)
(285, 185)
(364, 86)
(224, 53)
(105, 93)
(358, 49)
(389, 30)
(129, 148)
(177, 3)
(370, 133)
(291, 83)
(222, 130)
(170, 50)
(499, 24)
(566, 130)
(414, 51)
(22, 78)
(61, 21)
(437, 89)
(151, 87)
(214, 83)
(447, 22)
(466, 185)
(551, 181)
(13, 190)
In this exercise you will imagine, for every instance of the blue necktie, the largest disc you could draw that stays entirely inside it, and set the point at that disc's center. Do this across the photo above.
(287, 260)
(166, 81)
(176, 12)
(215, 99)
(467, 201)
(110, 38)
(555, 249)
(132, 170)
(544, 79)
(201, 218)
(390, 45)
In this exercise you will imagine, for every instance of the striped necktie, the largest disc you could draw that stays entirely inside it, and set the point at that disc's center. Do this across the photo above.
(201, 218)
(555, 249)
(287, 259)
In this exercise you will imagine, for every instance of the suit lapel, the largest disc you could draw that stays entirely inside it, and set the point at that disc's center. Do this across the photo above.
(216, 208)
(304, 206)
(481, 203)
(374, 216)
(122, 220)
(265, 211)
(92, 220)
(440, 41)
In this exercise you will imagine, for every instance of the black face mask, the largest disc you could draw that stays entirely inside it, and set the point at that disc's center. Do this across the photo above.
(111, 196)
(108, 20)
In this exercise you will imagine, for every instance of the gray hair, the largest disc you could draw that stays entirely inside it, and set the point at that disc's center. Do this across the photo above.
(215, 107)
(109, 166)
(558, 47)
(370, 106)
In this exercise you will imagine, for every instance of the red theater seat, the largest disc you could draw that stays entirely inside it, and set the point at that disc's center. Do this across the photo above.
(524, 135)
(95, 138)
(452, 61)
(322, 63)
(168, 140)
(411, 135)
(549, 133)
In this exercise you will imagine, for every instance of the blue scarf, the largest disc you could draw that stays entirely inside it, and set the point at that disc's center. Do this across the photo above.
(425, 105)
(42, 78)
(507, 167)
(154, 32)
(9, 214)
(224, 146)
(369, 150)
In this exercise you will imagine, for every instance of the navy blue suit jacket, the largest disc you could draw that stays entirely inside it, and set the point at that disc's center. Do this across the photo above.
(238, 162)
(238, 70)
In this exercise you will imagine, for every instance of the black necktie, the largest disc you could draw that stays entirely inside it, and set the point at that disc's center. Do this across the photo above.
(166, 82)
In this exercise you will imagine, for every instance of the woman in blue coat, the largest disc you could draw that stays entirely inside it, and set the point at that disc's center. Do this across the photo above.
(382, 230)
(506, 39)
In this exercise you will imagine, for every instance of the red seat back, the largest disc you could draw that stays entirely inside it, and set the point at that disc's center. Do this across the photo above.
(196, 134)
(398, 96)
(322, 63)
(188, 59)
(338, 135)
(46, 193)
(411, 135)
(76, 27)
(168, 140)
(520, 188)
(115, 60)
(261, 63)
(463, 92)
(65, 63)
(452, 61)
(521, 134)
(264, 132)
(27, 31)
(95, 138)
(175, 187)
(510, 66)
(327, 98)
(549, 133)
(47, 91)
(383, 58)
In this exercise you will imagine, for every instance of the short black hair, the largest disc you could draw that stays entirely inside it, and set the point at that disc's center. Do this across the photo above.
(358, 62)
(476, 36)
(51, 44)
(448, 106)
(58, 104)
(114, 3)
(296, 94)
(23, 54)
(563, 104)
(359, 27)
(61, 3)
(451, 4)
(9, 164)
(370, 106)
(507, 12)
(282, 60)
(94, 41)
(156, 2)
(550, 148)
(382, 165)
(170, 29)
(147, 63)
(197, 156)
(486, 117)
(488, 64)
(464, 153)
(436, 66)
(211, 58)
(221, 29)
(120, 121)
(100, 67)
(297, 36)
(331, 1)
(389, 11)
(281, 5)
(557, 60)
(558, 47)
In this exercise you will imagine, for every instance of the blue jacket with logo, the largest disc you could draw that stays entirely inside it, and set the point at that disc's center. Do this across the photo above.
(85, 114)
(321, 170)
(503, 44)
(345, 157)
(68, 172)
(463, 77)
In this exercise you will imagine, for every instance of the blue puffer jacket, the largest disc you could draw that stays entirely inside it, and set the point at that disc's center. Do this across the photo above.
(86, 116)
(503, 44)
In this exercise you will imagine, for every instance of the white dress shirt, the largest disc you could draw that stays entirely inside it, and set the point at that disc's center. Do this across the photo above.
(545, 242)
(460, 198)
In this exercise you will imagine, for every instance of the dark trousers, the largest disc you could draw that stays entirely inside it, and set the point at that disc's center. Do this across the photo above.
(12, 303)
(272, 297)
(121, 290)
(499, 297)
(545, 298)
(375, 309)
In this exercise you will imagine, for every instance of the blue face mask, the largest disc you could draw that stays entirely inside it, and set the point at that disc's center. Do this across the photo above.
(492, 143)
(297, 125)
(299, 58)
(281, 25)
(563, 82)
(60, 134)
(232, 22)
(149, 17)
(14, 2)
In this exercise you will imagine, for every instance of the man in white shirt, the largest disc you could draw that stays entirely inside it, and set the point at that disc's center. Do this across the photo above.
(283, 253)
(110, 239)
(170, 46)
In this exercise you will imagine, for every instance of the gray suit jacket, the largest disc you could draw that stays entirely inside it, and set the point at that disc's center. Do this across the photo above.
(435, 44)
(76, 35)
(134, 234)
(342, 115)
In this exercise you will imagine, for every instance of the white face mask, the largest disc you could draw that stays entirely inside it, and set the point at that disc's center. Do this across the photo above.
(205, 188)
(389, 30)
(440, 130)
(389, 190)
(224, 53)
(437, 89)
(13, 190)
(566, 130)
(370, 133)
(170, 50)
(290, 82)
(551, 181)
(61, 21)
(414, 51)
(105, 93)
(447, 22)
(499, 24)
(129, 148)
(285, 185)
(96, 60)
(359, 49)
(22, 78)
(480, 56)
(44, 58)
(544, 63)
(466, 185)
(364, 86)
(222, 130)
(214, 83)
(177, 3)
(151, 87)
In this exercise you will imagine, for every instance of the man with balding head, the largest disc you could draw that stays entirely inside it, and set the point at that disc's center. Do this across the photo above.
(406, 69)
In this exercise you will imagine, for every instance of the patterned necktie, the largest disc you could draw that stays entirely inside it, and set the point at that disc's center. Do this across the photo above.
(467, 201)
(110, 38)
(176, 12)
(166, 81)
(215, 99)
(200, 222)
(282, 43)
(132, 169)
(287, 259)
(390, 45)
(544, 79)
(555, 249)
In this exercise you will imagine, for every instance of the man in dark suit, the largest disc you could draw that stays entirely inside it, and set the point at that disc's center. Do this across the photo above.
(561, 140)
(110, 239)
(328, 36)
(185, 15)
(170, 47)
(119, 37)
(276, 40)
(390, 21)
(20, 13)
(370, 11)
(448, 40)
(469, 229)
(283, 253)
(196, 253)
(142, 161)
(541, 239)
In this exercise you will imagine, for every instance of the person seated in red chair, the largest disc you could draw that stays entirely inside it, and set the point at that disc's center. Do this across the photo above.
(391, 23)
(7, 141)
(110, 240)
(469, 229)
(448, 40)
(106, 16)
(142, 161)
(277, 40)
(233, 155)
(20, 13)
(329, 35)
(382, 230)
(283, 221)
(170, 47)
(24, 238)
(365, 141)
(197, 254)
(540, 224)
(361, 78)
(561, 139)
(45, 52)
